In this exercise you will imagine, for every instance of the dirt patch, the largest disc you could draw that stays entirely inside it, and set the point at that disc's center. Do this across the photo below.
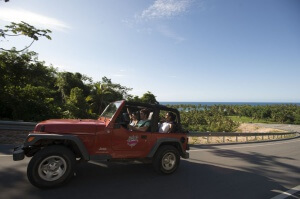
(243, 128)
(253, 128)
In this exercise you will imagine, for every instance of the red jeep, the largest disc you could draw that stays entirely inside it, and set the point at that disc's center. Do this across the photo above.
(56, 145)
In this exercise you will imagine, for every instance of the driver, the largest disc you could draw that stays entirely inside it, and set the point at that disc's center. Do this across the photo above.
(144, 123)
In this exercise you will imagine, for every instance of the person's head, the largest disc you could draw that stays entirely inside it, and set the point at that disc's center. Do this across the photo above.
(170, 117)
(144, 113)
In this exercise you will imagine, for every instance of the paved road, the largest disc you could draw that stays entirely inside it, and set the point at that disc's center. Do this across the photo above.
(257, 170)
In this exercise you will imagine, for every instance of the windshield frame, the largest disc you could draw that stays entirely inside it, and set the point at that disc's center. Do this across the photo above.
(110, 111)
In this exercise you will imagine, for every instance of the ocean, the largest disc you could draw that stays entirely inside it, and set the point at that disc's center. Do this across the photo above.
(229, 103)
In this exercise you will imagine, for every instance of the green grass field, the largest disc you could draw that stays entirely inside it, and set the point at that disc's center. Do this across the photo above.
(244, 119)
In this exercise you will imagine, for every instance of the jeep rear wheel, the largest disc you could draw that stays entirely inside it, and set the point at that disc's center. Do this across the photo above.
(50, 167)
(166, 160)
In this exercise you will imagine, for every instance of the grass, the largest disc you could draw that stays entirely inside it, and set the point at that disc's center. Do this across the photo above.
(244, 119)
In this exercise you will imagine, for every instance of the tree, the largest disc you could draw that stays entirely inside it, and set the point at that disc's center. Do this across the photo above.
(27, 89)
(23, 29)
(31, 103)
(67, 80)
(76, 105)
(97, 99)
(104, 92)
(147, 97)
(205, 118)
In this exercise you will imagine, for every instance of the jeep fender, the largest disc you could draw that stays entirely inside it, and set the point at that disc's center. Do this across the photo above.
(72, 138)
(171, 141)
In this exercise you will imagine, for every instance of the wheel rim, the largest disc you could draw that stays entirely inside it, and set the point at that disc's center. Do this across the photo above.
(52, 168)
(168, 161)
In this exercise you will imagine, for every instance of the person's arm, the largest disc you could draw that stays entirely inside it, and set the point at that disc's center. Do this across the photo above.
(171, 128)
(142, 128)
(129, 113)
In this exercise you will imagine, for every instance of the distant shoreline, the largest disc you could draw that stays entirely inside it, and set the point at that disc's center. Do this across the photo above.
(231, 103)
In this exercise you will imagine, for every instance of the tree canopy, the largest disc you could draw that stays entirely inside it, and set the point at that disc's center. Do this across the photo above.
(147, 97)
(23, 29)
(32, 91)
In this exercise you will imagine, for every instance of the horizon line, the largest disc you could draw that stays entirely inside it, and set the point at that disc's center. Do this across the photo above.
(229, 102)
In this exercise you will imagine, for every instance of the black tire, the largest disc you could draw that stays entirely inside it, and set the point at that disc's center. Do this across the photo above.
(52, 166)
(166, 160)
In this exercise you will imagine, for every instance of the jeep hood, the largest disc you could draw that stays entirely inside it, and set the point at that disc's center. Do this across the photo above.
(68, 126)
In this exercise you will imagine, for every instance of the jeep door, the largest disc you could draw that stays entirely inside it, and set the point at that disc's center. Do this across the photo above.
(129, 144)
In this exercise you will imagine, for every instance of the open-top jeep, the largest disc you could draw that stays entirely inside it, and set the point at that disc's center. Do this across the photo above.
(56, 145)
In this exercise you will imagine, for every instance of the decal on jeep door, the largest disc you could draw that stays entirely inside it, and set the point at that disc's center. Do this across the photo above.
(132, 140)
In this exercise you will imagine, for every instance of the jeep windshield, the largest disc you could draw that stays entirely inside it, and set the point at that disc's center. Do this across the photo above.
(110, 110)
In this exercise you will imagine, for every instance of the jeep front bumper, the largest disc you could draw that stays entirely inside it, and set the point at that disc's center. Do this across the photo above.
(18, 153)
(185, 155)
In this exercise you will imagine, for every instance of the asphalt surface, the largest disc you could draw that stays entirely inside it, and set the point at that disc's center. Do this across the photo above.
(256, 170)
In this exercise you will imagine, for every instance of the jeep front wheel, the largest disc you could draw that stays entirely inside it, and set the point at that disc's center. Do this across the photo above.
(166, 160)
(50, 167)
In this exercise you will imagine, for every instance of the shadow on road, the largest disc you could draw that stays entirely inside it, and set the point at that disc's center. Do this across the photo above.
(285, 169)
(191, 180)
(271, 165)
(6, 149)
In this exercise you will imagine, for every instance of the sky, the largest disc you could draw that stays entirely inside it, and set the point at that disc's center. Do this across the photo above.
(180, 50)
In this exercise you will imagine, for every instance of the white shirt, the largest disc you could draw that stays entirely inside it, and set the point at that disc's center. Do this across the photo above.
(164, 127)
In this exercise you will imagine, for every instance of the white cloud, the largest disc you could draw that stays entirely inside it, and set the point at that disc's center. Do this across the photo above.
(18, 15)
(165, 8)
(146, 30)
(167, 32)
(118, 75)
(160, 9)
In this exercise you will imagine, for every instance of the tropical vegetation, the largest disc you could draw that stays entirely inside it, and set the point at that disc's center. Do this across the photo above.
(32, 91)
(219, 118)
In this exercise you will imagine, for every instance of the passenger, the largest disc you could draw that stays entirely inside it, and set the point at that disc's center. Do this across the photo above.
(144, 123)
(168, 125)
(134, 117)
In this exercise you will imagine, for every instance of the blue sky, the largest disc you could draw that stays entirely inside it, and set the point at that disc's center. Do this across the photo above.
(180, 50)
